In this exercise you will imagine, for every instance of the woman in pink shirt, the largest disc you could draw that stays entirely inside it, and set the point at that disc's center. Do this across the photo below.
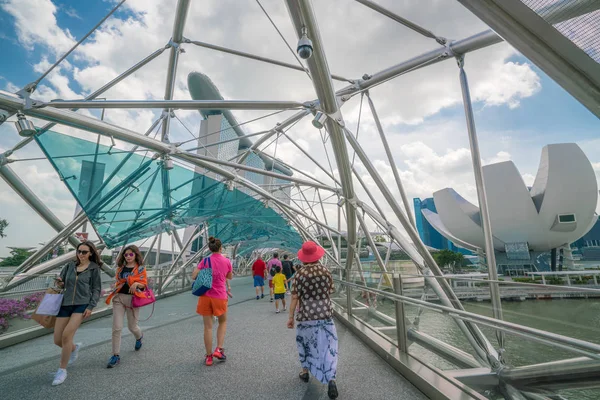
(214, 302)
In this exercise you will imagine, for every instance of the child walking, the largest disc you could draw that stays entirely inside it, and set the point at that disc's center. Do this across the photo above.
(279, 288)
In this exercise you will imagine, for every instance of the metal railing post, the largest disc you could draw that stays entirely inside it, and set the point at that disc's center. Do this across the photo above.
(159, 278)
(400, 322)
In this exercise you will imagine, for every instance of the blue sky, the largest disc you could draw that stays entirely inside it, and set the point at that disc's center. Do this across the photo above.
(79, 17)
(548, 115)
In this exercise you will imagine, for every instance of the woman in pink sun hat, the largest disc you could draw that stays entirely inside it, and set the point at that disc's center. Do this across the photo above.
(311, 291)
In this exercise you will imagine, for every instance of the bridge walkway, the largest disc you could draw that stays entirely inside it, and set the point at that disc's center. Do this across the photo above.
(262, 360)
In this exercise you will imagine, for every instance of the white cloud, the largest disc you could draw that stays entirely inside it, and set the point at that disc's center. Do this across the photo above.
(507, 84)
(429, 155)
(501, 156)
(71, 12)
(35, 22)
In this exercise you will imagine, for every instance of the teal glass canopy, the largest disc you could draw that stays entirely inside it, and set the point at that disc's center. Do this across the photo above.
(129, 196)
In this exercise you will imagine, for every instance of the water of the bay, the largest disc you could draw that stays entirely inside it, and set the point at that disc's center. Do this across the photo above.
(577, 318)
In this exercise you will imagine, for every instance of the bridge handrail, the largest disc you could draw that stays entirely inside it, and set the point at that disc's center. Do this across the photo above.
(586, 348)
(507, 283)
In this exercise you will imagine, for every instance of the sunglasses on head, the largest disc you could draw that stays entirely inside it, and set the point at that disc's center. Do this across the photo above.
(82, 252)
(129, 254)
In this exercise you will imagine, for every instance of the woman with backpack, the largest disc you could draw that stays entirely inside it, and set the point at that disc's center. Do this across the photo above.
(131, 281)
(213, 303)
(81, 284)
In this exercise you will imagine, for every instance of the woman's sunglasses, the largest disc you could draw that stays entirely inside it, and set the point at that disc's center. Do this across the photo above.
(82, 252)
(129, 254)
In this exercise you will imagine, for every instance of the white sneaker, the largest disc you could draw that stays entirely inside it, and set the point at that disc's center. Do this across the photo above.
(284, 309)
(59, 377)
(75, 353)
(277, 311)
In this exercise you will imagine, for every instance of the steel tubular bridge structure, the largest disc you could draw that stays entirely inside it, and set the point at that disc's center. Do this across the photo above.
(481, 370)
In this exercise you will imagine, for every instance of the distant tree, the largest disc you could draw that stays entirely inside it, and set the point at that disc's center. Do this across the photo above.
(3, 226)
(379, 239)
(17, 256)
(449, 258)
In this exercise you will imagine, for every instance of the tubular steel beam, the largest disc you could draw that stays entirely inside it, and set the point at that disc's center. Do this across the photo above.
(482, 197)
(46, 267)
(66, 232)
(390, 157)
(475, 42)
(591, 350)
(178, 26)
(442, 289)
(34, 84)
(449, 352)
(409, 24)
(33, 201)
(178, 104)
(280, 126)
(557, 55)
(562, 374)
(73, 119)
(303, 18)
(255, 57)
(311, 158)
(100, 91)
(195, 235)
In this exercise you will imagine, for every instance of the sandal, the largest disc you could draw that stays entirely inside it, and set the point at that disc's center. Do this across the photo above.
(304, 376)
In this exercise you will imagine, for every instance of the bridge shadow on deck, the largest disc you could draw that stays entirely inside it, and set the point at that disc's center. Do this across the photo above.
(262, 360)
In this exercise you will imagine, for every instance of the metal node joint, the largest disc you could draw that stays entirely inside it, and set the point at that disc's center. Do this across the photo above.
(337, 117)
(353, 202)
(173, 44)
(441, 40)
(4, 158)
(449, 50)
(460, 61)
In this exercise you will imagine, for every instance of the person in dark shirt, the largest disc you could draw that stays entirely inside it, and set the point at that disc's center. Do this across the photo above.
(287, 268)
(131, 280)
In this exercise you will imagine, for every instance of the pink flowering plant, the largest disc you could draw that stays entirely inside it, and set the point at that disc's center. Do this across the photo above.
(11, 308)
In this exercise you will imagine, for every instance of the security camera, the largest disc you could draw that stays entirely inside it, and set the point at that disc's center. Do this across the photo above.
(305, 48)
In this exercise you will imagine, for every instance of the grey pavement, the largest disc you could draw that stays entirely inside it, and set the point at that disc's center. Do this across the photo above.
(262, 360)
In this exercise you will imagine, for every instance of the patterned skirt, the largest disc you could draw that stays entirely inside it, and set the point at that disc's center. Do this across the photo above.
(317, 343)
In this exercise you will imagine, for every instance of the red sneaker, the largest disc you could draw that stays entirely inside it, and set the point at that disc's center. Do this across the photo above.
(208, 360)
(219, 354)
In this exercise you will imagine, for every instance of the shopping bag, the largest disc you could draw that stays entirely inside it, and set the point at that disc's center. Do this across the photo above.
(47, 321)
(50, 304)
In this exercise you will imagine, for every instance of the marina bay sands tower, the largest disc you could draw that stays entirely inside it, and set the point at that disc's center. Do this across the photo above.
(222, 138)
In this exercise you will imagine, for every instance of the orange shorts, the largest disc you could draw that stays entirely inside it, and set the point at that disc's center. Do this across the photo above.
(271, 283)
(208, 306)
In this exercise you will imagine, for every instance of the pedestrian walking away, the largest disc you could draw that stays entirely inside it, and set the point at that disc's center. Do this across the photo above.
(316, 336)
(273, 262)
(131, 280)
(287, 268)
(258, 272)
(279, 287)
(81, 283)
(213, 303)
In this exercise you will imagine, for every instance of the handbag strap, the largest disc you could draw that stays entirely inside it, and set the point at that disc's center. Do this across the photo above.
(205, 262)
(151, 313)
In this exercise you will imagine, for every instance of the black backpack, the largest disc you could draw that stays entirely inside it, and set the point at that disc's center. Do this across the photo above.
(273, 271)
